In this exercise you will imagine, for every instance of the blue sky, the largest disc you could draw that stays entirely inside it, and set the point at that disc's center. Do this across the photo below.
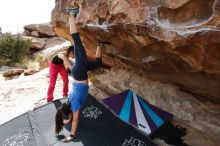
(14, 14)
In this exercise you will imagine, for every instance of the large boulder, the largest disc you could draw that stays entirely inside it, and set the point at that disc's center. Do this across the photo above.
(53, 46)
(39, 30)
(44, 43)
(36, 43)
(172, 41)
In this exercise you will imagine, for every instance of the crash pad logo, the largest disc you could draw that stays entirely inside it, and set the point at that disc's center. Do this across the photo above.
(133, 142)
(91, 112)
(19, 139)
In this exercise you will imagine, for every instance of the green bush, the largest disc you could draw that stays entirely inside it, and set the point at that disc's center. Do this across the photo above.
(13, 48)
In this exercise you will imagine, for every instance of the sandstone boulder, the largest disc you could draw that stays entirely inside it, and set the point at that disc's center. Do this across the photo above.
(36, 43)
(172, 41)
(28, 72)
(13, 72)
(40, 30)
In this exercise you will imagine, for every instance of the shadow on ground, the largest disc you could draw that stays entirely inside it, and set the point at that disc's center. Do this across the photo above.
(171, 134)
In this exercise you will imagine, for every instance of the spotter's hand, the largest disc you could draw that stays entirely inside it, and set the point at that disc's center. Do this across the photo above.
(66, 121)
(61, 56)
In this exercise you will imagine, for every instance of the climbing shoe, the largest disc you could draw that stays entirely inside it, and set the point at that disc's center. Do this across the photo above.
(72, 11)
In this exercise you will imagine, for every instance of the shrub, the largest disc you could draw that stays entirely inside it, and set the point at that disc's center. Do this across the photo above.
(39, 58)
(13, 48)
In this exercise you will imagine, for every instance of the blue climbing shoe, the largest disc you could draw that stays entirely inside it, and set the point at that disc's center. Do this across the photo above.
(72, 11)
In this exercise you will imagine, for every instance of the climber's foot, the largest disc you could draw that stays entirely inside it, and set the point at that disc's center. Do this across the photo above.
(72, 11)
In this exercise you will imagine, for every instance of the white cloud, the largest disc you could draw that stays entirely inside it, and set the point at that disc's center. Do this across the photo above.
(14, 14)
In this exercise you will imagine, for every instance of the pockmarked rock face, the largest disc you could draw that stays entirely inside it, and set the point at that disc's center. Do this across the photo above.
(172, 41)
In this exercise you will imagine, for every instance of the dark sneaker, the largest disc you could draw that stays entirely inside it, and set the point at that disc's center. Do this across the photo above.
(101, 42)
(72, 11)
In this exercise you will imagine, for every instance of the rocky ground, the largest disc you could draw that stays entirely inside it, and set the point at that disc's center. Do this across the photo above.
(195, 123)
